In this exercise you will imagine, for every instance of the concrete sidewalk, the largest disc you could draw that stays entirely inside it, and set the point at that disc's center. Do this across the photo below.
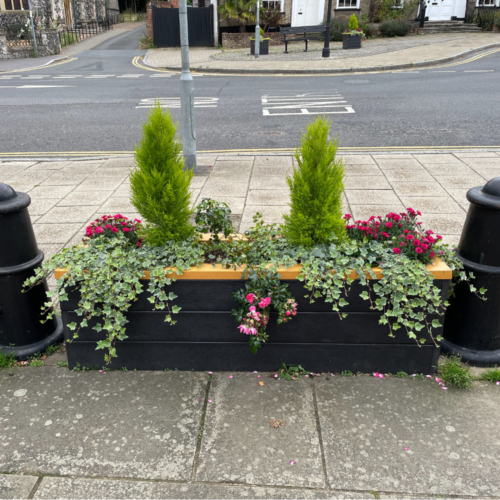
(191, 435)
(430, 50)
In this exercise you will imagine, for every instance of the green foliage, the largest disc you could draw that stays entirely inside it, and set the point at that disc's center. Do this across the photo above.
(316, 190)
(347, 373)
(401, 375)
(353, 22)
(160, 185)
(291, 372)
(214, 217)
(496, 21)
(366, 27)
(395, 27)
(241, 11)
(405, 10)
(272, 17)
(7, 360)
(338, 26)
(455, 373)
(62, 364)
(491, 375)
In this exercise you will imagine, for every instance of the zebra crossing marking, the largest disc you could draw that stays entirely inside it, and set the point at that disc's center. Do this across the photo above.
(175, 102)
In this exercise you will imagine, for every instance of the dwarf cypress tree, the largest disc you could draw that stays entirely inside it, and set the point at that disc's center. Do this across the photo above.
(160, 185)
(316, 189)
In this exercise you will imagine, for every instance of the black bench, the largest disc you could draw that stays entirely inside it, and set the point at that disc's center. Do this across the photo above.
(303, 34)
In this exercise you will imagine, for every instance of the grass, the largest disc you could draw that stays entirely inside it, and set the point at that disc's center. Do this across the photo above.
(453, 372)
(491, 375)
(7, 360)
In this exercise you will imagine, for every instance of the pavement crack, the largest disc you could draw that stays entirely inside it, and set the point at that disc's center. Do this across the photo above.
(200, 432)
(223, 87)
(318, 428)
(35, 488)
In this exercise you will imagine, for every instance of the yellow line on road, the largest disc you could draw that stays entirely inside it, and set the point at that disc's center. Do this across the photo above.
(471, 59)
(40, 67)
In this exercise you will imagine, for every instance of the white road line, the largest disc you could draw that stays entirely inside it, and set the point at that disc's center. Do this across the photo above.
(33, 77)
(43, 86)
(443, 71)
(305, 104)
(406, 72)
(100, 76)
(161, 75)
(175, 102)
(480, 71)
(305, 111)
(64, 77)
(129, 76)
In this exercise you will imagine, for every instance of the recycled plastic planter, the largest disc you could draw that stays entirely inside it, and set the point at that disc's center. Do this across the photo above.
(351, 41)
(263, 47)
(205, 336)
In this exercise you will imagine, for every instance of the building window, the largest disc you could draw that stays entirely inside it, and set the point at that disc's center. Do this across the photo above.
(347, 4)
(486, 3)
(273, 4)
(398, 4)
(9, 5)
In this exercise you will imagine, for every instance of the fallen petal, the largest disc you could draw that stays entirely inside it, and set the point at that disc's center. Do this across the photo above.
(406, 449)
(375, 374)
(210, 373)
(307, 376)
(381, 375)
(292, 462)
(444, 388)
(429, 376)
(438, 379)
(255, 372)
(199, 399)
(414, 375)
(275, 375)
(209, 400)
(230, 376)
(498, 383)
(258, 376)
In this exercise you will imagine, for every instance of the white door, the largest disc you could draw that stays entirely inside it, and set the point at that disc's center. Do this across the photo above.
(439, 10)
(305, 13)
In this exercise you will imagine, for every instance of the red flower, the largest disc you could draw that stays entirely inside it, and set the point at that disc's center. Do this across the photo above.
(418, 250)
(126, 229)
(385, 234)
(431, 255)
(114, 229)
(396, 250)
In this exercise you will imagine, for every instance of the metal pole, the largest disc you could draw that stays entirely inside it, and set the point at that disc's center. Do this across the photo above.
(257, 32)
(187, 97)
(326, 48)
(32, 27)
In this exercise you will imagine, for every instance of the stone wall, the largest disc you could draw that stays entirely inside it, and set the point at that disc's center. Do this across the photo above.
(242, 40)
(173, 4)
(48, 44)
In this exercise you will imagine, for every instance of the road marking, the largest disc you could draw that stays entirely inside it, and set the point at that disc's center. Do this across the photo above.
(474, 58)
(100, 76)
(135, 75)
(305, 104)
(479, 71)
(66, 77)
(454, 71)
(175, 102)
(161, 75)
(407, 71)
(43, 86)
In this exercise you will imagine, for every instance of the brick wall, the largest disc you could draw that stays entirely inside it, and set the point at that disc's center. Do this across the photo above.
(242, 40)
(173, 4)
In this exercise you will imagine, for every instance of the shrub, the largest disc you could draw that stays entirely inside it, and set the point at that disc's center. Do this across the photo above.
(496, 21)
(214, 217)
(316, 189)
(366, 27)
(353, 23)
(491, 375)
(406, 10)
(160, 185)
(395, 27)
(7, 360)
(453, 372)
(338, 26)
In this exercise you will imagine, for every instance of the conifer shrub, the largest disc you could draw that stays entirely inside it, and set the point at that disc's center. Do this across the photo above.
(353, 23)
(160, 185)
(316, 189)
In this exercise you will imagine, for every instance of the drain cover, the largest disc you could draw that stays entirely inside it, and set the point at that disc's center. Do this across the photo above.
(357, 81)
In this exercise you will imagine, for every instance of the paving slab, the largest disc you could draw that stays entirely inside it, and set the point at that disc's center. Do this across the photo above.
(140, 425)
(366, 423)
(240, 445)
(14, 486)
(79, 488)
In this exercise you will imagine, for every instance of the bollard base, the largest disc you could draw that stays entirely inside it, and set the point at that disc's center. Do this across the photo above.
(471, 356)
(25, 351)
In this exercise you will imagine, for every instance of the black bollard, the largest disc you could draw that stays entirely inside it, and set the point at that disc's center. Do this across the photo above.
(21, 329)
(472, 326)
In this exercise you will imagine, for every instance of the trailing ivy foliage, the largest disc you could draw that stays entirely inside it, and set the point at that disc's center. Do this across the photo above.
(316, 189)
(160, 185)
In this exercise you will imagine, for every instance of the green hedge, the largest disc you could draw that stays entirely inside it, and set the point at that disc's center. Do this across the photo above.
(395, 27)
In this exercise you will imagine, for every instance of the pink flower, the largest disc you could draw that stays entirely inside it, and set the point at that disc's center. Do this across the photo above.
(347, 216)
(114, 229)
(265, 302)
(396, 250)
(385, 234)
(425, 246)
(252, 309)
(439, 237)
(138, 221)
(99, 230)
(126, 230)
(416, 242)
(288, 313)
(409, 236)
(117, 216)
(432, 254)
(388, 224)
(250, 297)
(375, 374)
(418, 250)
(108, 226)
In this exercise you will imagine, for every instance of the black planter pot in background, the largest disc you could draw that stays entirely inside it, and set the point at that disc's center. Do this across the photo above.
(351, 41)
(263, 50)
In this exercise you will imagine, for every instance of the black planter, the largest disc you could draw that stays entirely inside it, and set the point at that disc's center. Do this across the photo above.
(205, 336)
(472, 326)
(351, 41)
(263, 48)
(21, 331)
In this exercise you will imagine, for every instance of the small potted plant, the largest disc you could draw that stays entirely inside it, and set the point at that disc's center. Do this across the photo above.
(264, 44)
(352, 38)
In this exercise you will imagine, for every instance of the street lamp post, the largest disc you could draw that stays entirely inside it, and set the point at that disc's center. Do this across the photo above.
(32, 27)
(257, 32)
(326, 48)
(187, 98)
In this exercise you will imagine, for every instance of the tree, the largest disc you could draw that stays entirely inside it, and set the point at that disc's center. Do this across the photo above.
(242, 11)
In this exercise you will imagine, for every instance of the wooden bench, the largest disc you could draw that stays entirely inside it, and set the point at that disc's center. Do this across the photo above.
(302, 34)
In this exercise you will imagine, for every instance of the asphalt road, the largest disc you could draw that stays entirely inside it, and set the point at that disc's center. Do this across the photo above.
(98, 103)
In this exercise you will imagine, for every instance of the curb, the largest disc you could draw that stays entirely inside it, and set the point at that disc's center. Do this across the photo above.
(48, 63)
(391, 67)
